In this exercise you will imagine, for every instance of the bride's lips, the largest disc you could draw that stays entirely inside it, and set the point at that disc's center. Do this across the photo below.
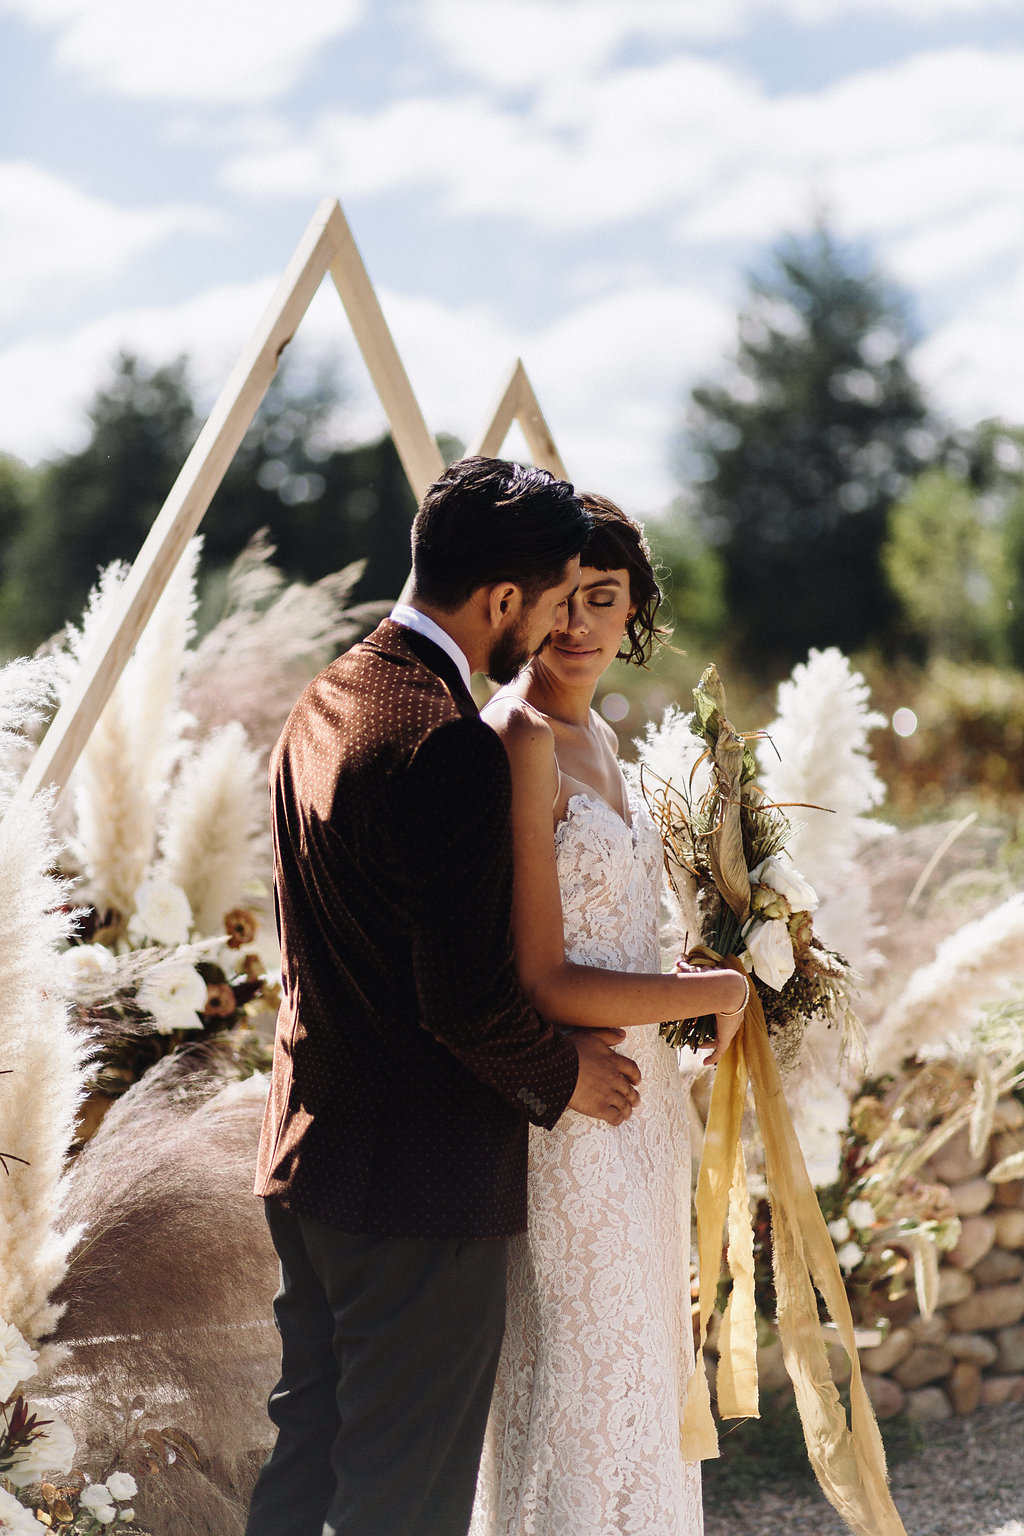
(568, 650)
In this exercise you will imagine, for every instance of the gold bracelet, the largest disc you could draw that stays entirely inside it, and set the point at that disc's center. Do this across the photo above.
(736, 1012)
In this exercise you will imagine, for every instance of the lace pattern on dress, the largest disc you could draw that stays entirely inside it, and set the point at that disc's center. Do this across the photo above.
(583, 1438)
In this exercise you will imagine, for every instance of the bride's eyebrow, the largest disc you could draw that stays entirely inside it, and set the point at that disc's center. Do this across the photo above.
(604, 581)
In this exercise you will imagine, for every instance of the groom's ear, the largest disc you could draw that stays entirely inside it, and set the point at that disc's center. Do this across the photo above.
(504, 603)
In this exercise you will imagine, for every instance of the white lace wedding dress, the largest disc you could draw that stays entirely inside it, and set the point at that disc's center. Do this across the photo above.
(583, 1438)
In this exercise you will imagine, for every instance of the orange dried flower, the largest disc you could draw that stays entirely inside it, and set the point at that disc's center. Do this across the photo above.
(240, 927)
(220, 1001)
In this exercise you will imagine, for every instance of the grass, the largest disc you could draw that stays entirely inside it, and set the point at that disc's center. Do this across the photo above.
(770, 1451)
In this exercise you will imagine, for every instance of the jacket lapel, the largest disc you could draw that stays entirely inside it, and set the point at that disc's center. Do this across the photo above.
(396, 640)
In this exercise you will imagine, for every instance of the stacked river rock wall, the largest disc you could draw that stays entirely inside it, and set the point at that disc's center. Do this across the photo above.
(970, 1353)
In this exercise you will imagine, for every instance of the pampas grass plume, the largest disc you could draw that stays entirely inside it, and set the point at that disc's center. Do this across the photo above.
(213, 814)
(668, 754)
(972, 968)
(273, 637)
(122, 774)
(41, 1058)
(818, 755)
(821, 757)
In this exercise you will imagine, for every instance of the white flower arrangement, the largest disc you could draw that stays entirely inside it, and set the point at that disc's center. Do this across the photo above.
(51, 1448)
(98, 1500)
(174, 993)
(162, 913)
(751, 901)
(769, 952)
(122, 1485)
(17, 1360)
(15, 1519)
(85, 964)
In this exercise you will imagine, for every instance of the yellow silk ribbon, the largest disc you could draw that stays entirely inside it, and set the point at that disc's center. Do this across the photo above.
(849, 1462)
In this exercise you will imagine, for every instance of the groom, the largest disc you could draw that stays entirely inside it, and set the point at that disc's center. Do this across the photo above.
(407, 1061)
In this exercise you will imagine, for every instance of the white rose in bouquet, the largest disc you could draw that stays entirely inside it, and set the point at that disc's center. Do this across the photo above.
(162, 913)
(17, 1360)
(96, 1498)
(770, 952)
(51, 1451)
(122, 1485)
(174, 993)
(15, 1519)
(85, 963)
(789, 882)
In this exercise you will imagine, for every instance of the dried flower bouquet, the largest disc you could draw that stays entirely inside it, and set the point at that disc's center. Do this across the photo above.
(722, 832)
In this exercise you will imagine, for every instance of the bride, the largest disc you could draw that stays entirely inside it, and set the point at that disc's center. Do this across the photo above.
(583, 1438)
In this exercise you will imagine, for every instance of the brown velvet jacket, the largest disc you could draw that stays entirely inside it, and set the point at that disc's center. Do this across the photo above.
(407, 1061)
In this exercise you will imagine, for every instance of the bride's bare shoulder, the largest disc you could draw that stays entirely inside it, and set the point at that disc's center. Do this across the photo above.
(526, 733)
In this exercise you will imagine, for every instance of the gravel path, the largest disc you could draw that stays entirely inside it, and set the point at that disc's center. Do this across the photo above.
(967, 1481)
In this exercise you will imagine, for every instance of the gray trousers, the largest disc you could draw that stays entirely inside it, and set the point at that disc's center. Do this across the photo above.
(389, 1349)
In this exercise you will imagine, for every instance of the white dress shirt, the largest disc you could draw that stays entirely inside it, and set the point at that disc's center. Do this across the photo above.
(412, 618)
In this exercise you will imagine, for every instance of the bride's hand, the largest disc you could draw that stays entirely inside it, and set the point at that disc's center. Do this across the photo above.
(686, 967)
(726, 1029)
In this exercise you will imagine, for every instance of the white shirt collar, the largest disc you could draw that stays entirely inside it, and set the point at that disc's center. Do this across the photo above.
(412, 618)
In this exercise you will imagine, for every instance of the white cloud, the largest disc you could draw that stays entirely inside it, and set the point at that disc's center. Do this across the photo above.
(888, 151)
(193, 50)
(52, 233)
(972, 363)
(516, 43)
(47, 379)
(521, 43)
(608, 374)
(581, 158)
(958, 246)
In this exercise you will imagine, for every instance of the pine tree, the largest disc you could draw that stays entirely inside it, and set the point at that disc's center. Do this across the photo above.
(798, 457)
(323, 506)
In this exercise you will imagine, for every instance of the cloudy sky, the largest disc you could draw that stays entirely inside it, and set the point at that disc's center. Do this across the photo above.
(583, 183)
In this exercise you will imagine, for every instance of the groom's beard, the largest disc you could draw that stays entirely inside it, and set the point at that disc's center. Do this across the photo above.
(510, 653)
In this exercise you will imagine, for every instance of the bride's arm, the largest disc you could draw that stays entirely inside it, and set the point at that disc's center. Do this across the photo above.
(560, 990)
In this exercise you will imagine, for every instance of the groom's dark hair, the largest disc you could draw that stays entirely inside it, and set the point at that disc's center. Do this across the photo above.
(491, 520)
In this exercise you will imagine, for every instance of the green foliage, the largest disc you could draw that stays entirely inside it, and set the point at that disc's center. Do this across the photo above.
(945, 561)
(19, 491)
(969, 739)
(692, 578)
(96, 505)
(324, 506)
(798, 457)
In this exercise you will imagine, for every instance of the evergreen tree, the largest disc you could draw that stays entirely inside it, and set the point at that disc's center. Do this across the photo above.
(324, 506)
(97, 505)
(798, 457)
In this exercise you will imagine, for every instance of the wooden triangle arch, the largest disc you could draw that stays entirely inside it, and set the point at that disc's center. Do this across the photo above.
(518, 402)
(326, 246)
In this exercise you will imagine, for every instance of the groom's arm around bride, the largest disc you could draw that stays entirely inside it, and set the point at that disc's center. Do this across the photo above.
(407, 1061)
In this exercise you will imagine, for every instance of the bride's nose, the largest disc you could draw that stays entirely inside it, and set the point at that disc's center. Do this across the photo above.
(576, 617)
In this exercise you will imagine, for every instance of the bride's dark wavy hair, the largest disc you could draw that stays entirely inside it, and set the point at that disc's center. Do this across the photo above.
(616, 543)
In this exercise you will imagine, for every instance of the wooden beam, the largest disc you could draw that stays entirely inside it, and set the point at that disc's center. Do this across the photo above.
(490, 440)
(518, 402)
(537, 432)
(326, 245)
(417, 449)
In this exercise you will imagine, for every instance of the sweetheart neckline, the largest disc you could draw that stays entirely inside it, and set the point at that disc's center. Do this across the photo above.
(598, 800)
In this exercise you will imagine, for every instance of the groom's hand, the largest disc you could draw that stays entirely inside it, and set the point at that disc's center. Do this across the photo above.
(606, 1086)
